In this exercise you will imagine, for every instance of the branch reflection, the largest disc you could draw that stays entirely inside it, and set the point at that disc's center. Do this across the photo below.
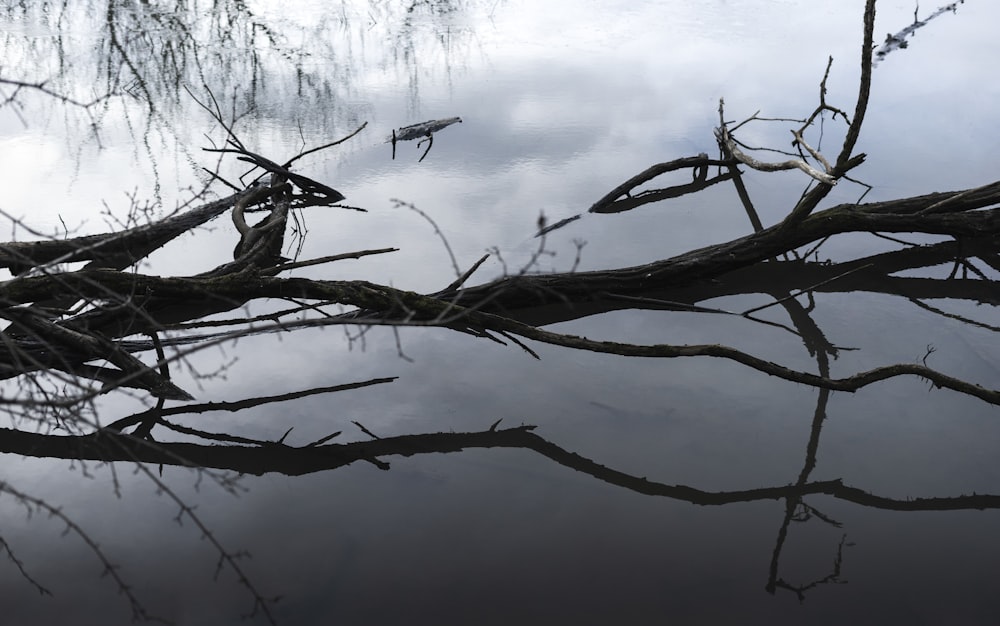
(264, 457)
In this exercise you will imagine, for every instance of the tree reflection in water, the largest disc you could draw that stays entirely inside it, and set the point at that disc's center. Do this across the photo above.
(63, 323)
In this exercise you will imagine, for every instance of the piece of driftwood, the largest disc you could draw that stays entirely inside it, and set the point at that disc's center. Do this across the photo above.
(423, 131)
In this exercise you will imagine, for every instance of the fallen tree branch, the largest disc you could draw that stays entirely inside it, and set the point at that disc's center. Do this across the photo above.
(397, 307)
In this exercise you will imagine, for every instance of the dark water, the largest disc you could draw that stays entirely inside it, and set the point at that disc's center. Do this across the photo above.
(653, 490)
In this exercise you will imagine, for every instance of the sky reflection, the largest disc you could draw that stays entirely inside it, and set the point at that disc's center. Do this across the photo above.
(560, 102)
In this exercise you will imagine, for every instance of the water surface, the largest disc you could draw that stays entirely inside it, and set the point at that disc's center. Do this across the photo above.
(560, 103)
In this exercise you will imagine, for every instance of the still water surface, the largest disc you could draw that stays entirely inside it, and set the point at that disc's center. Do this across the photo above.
(560, 103)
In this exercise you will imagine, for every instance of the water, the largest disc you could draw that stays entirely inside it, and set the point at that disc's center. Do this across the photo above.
(560, 103)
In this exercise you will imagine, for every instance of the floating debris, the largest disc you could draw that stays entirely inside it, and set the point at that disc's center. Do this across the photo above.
(424, 131)
(898, 41)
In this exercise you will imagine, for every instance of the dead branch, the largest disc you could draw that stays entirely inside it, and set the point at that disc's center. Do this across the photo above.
(897, 41)
(613, 202)
(423, 131)
(725, 139)
(394, 306)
